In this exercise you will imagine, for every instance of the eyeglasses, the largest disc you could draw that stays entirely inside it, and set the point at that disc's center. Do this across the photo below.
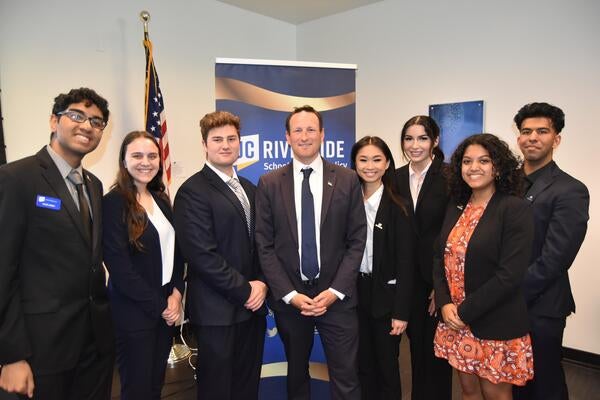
(79, 117)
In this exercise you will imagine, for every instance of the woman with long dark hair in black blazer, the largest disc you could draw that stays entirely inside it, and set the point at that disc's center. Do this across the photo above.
(385, 277)
(422, 183)
(480, 261)
(146, 273)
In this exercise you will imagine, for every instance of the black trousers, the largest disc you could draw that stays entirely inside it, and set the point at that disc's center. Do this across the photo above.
(142, 361)
(230, 359)
(90, 379)
(339, 334)
(549, 378)
(431, 376)
(378, 351)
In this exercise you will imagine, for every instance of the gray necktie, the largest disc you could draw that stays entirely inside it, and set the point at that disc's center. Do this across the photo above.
(239, 192)
(84, 210)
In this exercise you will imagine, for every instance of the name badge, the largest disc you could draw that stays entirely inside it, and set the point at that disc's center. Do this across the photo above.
(51, 203)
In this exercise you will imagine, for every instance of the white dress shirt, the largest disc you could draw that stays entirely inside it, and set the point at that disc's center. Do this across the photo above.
(166, 236)
(415, 180)
(315, 182)
(371, 207)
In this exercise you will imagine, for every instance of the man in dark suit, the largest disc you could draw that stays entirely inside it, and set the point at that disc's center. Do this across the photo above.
(560, 206)
(214, 221)
(55, 329)
(311, 233)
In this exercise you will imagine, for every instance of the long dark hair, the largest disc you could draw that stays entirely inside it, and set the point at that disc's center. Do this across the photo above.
(432, 130)
(510, 176)
(134, 214)
(388, 178)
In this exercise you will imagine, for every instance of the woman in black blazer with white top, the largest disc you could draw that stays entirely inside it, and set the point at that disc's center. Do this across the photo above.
(385, 277)
(422, 183)
(146, 272)
(479, 265)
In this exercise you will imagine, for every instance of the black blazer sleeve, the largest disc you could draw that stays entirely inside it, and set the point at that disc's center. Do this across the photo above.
(405, 264)
(512, 228)
(14, 340)
(567, 218)
(117, 258)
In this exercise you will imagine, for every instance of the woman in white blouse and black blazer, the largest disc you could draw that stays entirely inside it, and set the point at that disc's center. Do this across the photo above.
(385, 277)
(146, 272)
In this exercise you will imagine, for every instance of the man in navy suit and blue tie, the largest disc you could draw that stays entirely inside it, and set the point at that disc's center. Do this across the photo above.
(214, 221)
(560, 207)
(311, 233)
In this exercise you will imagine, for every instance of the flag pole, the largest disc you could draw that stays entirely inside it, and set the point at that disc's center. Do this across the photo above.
(178, 351)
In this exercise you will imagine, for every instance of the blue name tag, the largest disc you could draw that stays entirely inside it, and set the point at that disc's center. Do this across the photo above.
(51, 203)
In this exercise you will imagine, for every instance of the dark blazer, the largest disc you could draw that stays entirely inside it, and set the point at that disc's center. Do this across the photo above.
(429, 214)
(560, 205)
(135, 283)
(495, 263)
(221, 258)
(393, 259)
(52, 283)
(343, 234)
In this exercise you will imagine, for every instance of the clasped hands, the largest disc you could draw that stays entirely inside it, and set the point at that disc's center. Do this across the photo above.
(172, 313)
(451, 318)
(257, 295)
(316, 306)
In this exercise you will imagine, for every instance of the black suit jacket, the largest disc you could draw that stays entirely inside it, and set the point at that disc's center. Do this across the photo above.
(221, 258)
(135, 286)
(393, 260)
(52, 283)
(560, 206)
(495, 263)
(343, 234)
(428, 215)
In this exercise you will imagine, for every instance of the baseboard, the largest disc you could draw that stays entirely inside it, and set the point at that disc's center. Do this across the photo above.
(581, 357)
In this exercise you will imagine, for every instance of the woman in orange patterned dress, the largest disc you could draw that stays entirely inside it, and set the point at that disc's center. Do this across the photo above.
(484, 250)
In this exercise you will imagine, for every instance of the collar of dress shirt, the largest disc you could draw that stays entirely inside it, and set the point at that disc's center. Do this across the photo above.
(316, 165)
(63, 166)
(221, 174)
(412, 172)
(373, 201)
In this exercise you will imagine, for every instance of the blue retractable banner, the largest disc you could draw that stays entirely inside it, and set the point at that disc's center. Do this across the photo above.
(262, 93)
(457, 121)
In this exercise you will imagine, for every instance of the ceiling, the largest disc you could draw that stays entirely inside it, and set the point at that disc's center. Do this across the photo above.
(298, 11)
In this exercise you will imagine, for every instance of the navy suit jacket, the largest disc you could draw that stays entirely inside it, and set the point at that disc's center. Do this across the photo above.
(495, 263)
(343, 234)
(135, 285)
(220, 255)
(560, 206)
(52, 283)
(393, 260)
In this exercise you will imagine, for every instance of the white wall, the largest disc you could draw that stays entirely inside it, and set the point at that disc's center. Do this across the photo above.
(409, 56)
(508, 53)
(49, 47)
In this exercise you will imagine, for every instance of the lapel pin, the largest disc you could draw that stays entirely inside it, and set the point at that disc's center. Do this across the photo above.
(460, 207)
(329, 183)
(530, 198)
(379, 225)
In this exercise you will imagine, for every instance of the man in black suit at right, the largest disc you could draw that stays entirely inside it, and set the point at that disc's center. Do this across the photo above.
(560, 207)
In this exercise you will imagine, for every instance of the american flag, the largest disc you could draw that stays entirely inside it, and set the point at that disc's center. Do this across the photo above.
(156, 121)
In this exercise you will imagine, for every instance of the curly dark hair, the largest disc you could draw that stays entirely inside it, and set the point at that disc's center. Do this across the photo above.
(89, 96)
(545, 110)
(506, 164)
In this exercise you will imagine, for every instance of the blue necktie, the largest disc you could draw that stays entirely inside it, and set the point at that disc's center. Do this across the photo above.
(310, 264)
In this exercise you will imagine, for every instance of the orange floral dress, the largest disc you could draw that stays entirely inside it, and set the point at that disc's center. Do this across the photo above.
(497, 361)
